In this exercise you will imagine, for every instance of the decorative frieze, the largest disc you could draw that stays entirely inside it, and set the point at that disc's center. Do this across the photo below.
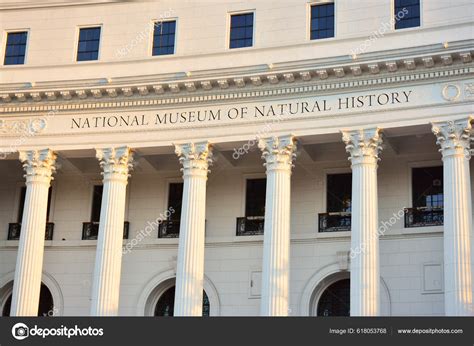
(239, 82)
(339, 72)
(356, 70)
(142, 90)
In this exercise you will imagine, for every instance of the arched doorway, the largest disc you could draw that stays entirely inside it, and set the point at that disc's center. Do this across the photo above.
(46, 304)
(335, 299)
(165, 304)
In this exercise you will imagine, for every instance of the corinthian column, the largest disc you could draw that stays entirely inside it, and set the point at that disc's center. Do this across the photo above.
(454, 138)
(39, 168)
(195, 159)
(116, 164)
(364, 147)
(278, 153)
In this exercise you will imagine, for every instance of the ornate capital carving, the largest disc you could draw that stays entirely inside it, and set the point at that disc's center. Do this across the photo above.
(38, 164)
(454, 137)
(116, 163)
(278, 152)
(194, 157)
(364, 146)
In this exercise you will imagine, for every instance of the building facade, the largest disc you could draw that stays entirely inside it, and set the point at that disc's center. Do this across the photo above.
(222, 158)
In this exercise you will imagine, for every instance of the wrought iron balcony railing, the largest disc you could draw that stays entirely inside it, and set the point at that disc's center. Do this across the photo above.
(335, 222)
(423, 217)
(90, 230)
(168, 229)
(250, 225)
(14, 230)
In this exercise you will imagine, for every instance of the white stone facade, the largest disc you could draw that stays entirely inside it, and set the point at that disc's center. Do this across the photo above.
(212, 116)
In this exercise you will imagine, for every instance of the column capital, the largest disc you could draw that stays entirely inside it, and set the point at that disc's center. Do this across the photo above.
(116, 163)
(38, 164)
(454, 137)
(278, 152)
(194, 157)
(364, 145)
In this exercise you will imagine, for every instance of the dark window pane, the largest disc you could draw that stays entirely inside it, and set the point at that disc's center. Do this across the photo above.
(255, 197)
(15, 48)
(322, 21)
(339, 192)
(164, 38)
(241, 30)
(88, 45)
(96, 203)
(175, 199)
(427, 187)
(407, 14)
(21, 207)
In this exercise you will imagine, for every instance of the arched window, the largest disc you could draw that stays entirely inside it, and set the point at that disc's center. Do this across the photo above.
(335, 300)
(46, 304)
(165, 304)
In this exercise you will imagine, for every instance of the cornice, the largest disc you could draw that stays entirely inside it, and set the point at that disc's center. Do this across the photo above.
(273, 81)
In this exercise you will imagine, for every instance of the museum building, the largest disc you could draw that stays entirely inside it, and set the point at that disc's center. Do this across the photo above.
(222, 158)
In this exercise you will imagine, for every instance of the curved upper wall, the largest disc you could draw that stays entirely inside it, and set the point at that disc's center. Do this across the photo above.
(281, 35)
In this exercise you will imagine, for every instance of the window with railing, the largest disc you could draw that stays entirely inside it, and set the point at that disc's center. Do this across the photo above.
(170, 228)
(14, 228)
(90, 230)
(427, 198)
(253, 222)
(338, 204)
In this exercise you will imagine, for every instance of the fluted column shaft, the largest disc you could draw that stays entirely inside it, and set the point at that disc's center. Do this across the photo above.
(39, 168)
(116, 164)
(454, 139)
(278, 153)
(364, 147)
(195, 159)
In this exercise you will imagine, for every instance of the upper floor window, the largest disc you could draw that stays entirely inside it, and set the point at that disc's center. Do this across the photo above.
(15, 50)
(255, 194)
(255, 197)
(427, 198)
(338, 204)
(21, 207)
(427, 187)
(175, 200)
(339, 193)
(170, 228)
(407, 14)
(164, 38)
(96, 202)
(88, 45)
(241, 30)
(322, 21)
